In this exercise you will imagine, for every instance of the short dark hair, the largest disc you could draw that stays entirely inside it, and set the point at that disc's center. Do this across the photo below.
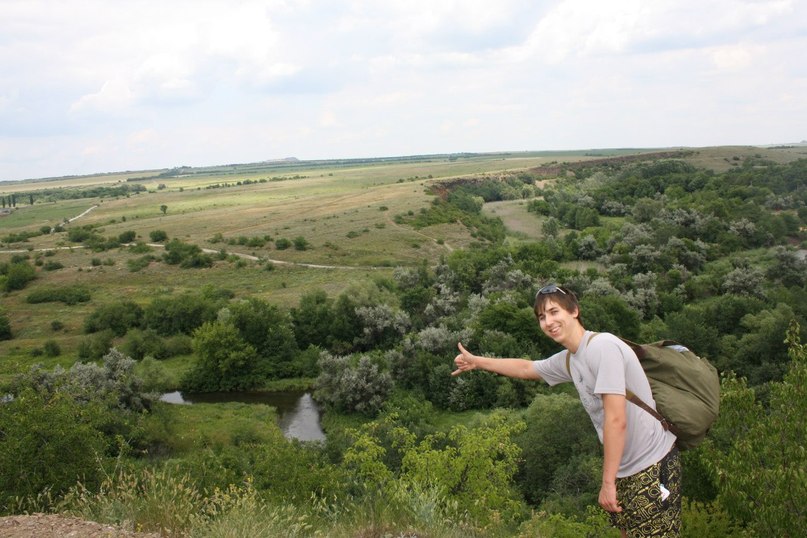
(564, 297)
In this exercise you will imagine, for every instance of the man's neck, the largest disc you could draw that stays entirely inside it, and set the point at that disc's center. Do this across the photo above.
(575, 338)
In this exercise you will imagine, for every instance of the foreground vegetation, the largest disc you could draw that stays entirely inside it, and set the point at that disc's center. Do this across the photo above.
(656, 247)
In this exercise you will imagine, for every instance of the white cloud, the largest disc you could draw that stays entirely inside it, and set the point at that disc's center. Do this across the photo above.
(147, 83)
(114, 96)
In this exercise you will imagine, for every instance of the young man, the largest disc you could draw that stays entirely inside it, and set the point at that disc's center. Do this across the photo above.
(641, 473)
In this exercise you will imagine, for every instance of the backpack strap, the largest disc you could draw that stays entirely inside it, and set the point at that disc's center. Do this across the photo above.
(630, 395)
(666, 424)
(569, 354)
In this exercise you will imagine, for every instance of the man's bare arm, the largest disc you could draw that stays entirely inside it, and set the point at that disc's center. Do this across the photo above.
(613, 442)
(518, 368)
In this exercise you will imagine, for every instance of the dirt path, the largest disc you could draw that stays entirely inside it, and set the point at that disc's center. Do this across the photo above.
(61, 526)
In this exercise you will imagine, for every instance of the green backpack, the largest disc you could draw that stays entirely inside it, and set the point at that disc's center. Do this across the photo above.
(686, 389)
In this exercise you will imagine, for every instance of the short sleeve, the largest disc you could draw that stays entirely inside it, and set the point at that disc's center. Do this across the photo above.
(553, 369)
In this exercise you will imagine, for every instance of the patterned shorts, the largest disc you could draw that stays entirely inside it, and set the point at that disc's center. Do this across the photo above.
(644, 512)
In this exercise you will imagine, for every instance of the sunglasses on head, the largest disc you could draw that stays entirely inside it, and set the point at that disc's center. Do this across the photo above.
(549, 289)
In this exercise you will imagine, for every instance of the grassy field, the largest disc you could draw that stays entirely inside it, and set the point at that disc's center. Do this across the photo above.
(345, 211)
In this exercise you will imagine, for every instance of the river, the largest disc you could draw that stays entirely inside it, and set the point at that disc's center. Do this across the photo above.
(298, 414)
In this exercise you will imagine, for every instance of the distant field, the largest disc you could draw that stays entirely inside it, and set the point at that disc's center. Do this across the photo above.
(519, 222)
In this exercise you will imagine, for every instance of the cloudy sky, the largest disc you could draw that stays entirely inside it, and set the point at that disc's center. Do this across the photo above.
(100, 85)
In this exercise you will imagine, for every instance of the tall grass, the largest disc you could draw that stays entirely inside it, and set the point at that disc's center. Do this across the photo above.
(165, 502)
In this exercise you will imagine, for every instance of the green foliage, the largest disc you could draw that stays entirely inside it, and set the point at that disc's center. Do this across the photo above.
(756, 454)
(5, 327)
(557, 426)
(83, 234)
(136, 264)
(469, 470)
(51, 348)
(707, 519)
(48, 441)
(158, 236)
(610, 313)
(61, 426)
(186, 255)
(474, 467)
(127, 237)
(593, 524)
(224, 362)
(301, 243)
(16, 275)
(94, 347)
(268, 330)
(69, 295)
(118, 317)
(312, 319)
(169, 315)
(147, 343)
(352, 384)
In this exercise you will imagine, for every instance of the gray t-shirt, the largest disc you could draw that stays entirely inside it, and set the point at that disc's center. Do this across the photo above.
(606, 365)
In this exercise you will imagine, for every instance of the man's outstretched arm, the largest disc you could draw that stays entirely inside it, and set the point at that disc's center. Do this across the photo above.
(519, 368)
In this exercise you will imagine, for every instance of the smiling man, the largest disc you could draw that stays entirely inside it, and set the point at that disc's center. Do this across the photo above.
(641, 474)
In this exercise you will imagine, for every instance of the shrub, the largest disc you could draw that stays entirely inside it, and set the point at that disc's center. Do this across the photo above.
(172, 315)
(136, 264)
(48, 442)
(51, 348)
(5, 327)
(282, 243)
(300, 243)
(127, 236)
(158, 236)
(118, 317)
(68, 295)
(17, 275)
(95, 346)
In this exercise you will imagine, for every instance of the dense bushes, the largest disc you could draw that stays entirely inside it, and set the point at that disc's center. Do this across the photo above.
(16, 275)
(68, 295)
(62, 426)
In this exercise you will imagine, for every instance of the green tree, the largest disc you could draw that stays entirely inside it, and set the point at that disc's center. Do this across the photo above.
(756, 454)
(312, 319)
(224, 361)
(352, 384)
(164, 208)
(270, 333)
(557, 427)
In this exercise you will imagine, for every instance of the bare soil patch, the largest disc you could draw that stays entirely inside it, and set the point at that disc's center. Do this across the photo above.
(61, 526)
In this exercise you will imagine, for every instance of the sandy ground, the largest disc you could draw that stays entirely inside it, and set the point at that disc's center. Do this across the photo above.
(60, 526)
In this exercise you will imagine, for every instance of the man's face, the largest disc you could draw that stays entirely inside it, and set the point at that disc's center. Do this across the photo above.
(557, 322)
